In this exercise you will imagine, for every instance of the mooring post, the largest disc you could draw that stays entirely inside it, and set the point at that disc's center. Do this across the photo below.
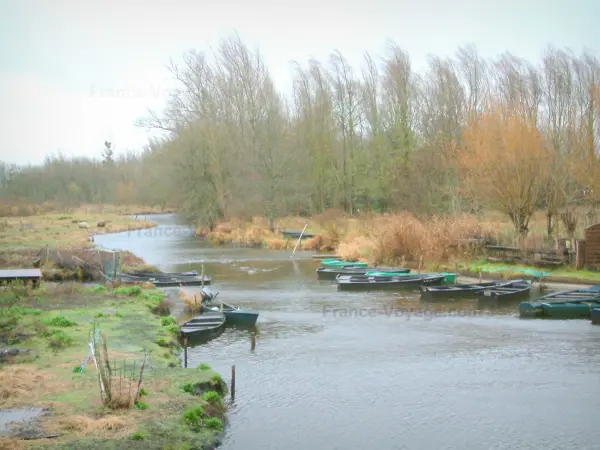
(185, 346)
(233, 382)
(252, 341)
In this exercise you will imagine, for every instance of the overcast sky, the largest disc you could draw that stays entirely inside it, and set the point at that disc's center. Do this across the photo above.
(62, 62)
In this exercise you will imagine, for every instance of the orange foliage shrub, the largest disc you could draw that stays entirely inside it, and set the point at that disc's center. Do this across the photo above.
(503, 162)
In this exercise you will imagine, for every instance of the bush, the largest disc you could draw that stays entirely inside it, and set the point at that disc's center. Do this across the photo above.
(60, 321)
(59, 339)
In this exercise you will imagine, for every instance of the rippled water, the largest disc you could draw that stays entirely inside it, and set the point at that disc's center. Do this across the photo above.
(335, 370)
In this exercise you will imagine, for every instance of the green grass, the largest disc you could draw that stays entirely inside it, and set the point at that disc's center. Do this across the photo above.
(566, 273)
(61, 341)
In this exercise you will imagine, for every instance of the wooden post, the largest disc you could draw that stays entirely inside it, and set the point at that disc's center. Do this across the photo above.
(233, 382)
(185, 346)
(202, 275)
(252, 341)
(296, 246)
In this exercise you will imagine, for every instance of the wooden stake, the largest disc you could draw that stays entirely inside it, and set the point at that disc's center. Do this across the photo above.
(252, 341)
(202, 275)
(233, 382)
(185, 346)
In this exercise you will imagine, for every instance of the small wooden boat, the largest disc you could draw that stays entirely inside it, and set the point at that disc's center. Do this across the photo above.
(339, 264)
(449, 278)
(324, 273)
(166, 281)
(233, 314)
(296, 234)
(573, 304)
(142, 273)
(367, 283)
(513, 290)
(455, 290)
(204, 327)
(595, 316)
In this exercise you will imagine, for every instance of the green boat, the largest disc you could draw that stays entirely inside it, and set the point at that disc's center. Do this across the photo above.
(596, 316)
(449, 278)
(336, 263)
(574, 304)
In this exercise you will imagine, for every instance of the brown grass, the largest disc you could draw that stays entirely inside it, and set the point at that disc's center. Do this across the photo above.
(19, 208)
(389, 239)
(191, 303)
(88, 425)
(18, 384)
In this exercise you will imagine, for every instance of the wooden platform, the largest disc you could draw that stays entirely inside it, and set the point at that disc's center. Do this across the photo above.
(25, 275)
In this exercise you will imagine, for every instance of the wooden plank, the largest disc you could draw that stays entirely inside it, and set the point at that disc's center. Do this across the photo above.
(20, 274)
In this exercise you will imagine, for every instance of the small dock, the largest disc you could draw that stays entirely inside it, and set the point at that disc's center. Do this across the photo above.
(24, 275)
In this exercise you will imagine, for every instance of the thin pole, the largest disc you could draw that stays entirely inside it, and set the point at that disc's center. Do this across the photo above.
(185, 346)
(296, 246)
(202, 275)
(233, 382)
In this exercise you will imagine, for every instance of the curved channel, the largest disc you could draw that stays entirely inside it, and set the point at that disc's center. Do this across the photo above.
(338, 370)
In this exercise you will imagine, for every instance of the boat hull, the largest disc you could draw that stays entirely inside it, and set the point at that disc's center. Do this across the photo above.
(204, 327)
(454, 291)
(338, 264)
(573, 304)
(511, 292)
(595, 316)
(387, 283)
(167, 282)
(324, 273)
(237, 317)
(558, 310)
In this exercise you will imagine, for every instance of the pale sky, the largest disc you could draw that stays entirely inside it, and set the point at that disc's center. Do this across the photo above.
(63, 62)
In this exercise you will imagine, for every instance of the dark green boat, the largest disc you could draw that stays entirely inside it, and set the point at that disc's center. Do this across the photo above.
(326, 273)
(233, 315)
(574, 304)
(339, 264)
(371, 283)
(596, 316)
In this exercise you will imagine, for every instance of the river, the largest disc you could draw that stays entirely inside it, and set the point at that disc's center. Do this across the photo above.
(338, 370)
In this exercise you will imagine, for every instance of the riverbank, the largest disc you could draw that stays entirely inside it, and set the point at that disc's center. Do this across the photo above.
(23, 239)
(44, 336)
(402, 239)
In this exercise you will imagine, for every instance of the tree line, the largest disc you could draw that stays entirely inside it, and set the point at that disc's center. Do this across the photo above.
(464, 135)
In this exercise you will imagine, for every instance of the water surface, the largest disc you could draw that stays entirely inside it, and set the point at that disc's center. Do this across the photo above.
(340, 370)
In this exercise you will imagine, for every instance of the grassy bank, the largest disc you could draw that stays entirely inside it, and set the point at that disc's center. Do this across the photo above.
(51, 329)
(22, 209)
(22, 238)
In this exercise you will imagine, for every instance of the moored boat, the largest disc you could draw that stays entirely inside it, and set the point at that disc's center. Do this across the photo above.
(166, 281)
(204, 327)
(325, 273)
(512, 290)
(573, 304)
(296, 234)
(370, 283)
(595, 316)
(141, 273)
(449, 278)
(455, 290)
(339, 264)
(233, 314)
